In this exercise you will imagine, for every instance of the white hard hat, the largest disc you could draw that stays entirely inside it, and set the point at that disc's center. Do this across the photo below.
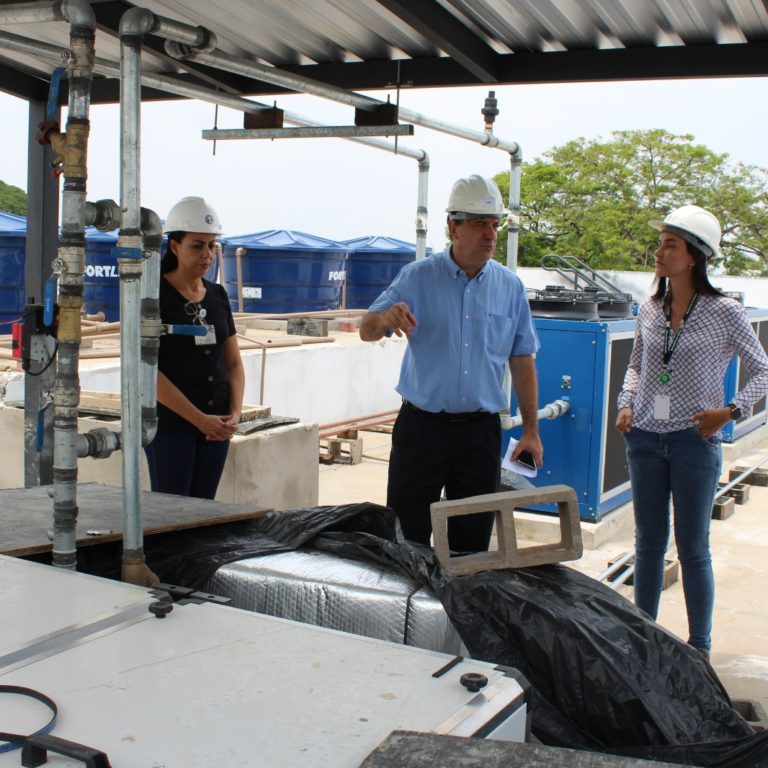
(475, 196)
(192, 214)
(695, 225)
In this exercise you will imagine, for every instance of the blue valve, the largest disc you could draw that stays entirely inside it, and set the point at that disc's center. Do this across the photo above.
(53, 92)
(186, 330)
(49, 300)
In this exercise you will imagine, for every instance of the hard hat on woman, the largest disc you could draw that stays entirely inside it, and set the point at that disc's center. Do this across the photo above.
(193, 214)
(695, 225)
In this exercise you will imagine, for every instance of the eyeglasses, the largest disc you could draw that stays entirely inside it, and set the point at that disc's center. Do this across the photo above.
(196, 312)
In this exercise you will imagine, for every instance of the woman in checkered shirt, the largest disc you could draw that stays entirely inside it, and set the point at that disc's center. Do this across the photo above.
(671, 410)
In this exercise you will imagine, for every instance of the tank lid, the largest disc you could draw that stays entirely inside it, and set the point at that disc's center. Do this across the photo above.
(379, 243)
(10, 223)
(281, 239)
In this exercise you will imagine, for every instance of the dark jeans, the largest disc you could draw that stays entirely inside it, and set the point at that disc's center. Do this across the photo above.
(434, 451)
(185, 463)
(684, 466)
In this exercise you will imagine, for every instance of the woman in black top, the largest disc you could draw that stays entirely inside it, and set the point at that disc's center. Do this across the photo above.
(200, 379)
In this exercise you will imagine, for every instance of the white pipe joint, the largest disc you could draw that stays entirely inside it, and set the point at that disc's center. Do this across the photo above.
(552, 410)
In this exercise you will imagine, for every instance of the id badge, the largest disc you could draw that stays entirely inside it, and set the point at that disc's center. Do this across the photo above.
(209, 338)
(661, 407)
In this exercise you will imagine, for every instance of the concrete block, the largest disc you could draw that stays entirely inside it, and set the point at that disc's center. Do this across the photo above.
(306, 326)
(345, 450)
(758, 476)
(739, 493)
(723, 508)
(263, 323)
(752, 712)
(503, 505)
(671, 571)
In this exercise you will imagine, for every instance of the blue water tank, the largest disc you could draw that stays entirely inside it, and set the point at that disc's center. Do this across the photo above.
(13, 244)
(372, 264)
(101, 282)
(285, 271)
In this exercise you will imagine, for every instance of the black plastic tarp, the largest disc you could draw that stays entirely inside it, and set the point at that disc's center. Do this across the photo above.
(604, 677)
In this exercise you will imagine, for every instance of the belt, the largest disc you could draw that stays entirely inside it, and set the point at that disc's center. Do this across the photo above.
(452, 418)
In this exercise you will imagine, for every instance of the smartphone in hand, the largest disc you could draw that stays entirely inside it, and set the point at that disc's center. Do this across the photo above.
(526, 459)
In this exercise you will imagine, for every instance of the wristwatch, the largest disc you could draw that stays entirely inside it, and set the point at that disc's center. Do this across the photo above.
(735, 411)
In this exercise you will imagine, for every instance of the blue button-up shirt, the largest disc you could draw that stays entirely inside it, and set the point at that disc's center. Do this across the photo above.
(466, 332)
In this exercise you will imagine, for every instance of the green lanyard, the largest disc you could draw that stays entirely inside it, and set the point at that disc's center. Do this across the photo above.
(674, 337)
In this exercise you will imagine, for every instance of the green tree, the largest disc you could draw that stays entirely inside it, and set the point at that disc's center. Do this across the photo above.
(593, 200)
(12, 199)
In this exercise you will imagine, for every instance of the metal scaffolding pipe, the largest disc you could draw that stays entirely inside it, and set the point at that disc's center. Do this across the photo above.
(31, 13)
(302, 84)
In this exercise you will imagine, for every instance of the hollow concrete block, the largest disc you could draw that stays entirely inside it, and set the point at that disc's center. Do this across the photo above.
(503, 505)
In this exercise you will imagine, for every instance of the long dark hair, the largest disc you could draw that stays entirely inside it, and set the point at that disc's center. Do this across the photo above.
(701, 282)
(169, 262)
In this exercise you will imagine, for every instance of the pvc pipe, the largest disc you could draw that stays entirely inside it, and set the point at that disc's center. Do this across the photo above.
(552, 410)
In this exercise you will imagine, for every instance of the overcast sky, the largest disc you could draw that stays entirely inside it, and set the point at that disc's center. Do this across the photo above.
(338, 189)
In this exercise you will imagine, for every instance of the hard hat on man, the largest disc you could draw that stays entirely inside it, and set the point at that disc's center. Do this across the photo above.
(475, 197)
(192, 214)
(695, 225)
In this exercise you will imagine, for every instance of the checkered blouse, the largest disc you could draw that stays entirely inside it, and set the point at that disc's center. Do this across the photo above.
(717, 329)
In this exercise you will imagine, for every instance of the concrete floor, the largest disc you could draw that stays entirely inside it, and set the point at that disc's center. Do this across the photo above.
(739, 546)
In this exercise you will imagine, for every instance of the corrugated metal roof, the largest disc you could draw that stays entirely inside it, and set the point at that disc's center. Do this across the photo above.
(376, 43)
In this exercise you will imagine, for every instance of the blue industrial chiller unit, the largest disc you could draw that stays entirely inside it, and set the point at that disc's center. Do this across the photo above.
(584, 362)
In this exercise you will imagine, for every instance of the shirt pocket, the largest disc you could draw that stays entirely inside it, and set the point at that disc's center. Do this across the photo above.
(499, 336)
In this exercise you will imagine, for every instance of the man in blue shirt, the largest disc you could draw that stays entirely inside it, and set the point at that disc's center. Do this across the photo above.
(466, 318)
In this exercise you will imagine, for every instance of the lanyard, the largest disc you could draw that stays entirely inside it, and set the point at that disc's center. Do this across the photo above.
(674, 336)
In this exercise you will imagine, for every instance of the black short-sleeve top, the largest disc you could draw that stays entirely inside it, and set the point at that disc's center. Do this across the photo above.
(199, 371)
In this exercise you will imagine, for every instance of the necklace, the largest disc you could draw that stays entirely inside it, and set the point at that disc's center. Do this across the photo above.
(669, 348)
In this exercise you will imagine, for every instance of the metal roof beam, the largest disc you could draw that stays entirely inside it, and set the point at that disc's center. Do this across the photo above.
(22, 85)
(651, 63)
(448, 33)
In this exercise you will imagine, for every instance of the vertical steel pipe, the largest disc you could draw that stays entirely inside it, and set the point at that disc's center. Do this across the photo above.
(152, 230)
(130, 248)
(513, 231)
(421, 208)
(71, 148)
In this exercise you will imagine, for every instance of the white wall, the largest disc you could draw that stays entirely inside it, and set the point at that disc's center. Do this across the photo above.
(318, 383)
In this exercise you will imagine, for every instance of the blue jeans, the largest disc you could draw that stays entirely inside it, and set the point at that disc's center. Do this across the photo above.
(185, 463)
(685, 466)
